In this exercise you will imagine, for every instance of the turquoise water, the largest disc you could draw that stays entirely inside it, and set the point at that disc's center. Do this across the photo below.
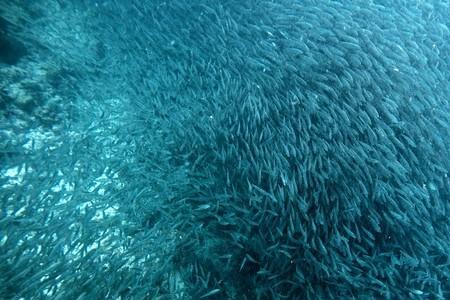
(224, 150)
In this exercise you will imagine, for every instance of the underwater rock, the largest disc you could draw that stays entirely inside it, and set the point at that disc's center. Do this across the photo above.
(11, 49)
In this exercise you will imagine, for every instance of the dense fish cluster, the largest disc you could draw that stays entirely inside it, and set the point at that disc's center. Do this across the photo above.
(69, 225)
(237, 150)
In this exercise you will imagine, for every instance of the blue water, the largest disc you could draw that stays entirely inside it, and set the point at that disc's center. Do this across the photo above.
(232, 150)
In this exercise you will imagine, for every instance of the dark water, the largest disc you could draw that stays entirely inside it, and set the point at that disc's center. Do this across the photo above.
(224, 149)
